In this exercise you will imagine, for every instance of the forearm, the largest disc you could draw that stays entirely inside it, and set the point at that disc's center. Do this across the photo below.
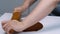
(18, 10)
(28, 3)
(42, 10)
(25, 5)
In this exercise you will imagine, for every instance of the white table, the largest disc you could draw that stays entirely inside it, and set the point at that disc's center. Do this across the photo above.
(51, 25)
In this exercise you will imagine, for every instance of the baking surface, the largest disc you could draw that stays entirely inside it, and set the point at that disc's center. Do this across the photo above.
(51, 25)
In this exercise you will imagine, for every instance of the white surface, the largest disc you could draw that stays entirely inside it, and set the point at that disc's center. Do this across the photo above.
(51, 25)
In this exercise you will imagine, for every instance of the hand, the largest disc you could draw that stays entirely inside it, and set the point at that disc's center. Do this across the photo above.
(12, 24)
(20, 8)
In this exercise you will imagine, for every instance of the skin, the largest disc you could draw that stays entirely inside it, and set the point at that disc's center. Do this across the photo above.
(41, 10)
(19, 9)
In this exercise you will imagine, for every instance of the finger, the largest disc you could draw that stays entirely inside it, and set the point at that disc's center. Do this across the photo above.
(8, 28)
(4, 26)
(4, 22)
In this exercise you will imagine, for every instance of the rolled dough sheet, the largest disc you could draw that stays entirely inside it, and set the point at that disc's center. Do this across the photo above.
(51, 25)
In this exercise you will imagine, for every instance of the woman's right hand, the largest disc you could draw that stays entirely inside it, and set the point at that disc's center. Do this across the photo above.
(13, 24)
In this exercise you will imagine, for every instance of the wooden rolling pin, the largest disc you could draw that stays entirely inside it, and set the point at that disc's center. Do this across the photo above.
(17, 16)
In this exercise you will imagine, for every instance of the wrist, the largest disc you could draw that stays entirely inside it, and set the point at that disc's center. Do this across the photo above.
(22, 26)
(25, 6)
